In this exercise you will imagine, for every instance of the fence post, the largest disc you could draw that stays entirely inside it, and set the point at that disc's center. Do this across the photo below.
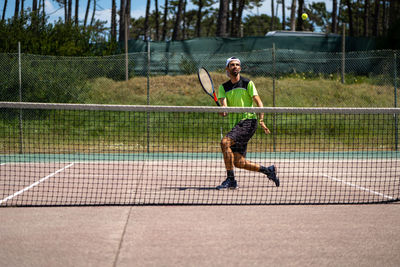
(343, 52)
(396, 130)
(148, 72)
(273, 95)
(148, 93)
(126, 51)
(21, 139)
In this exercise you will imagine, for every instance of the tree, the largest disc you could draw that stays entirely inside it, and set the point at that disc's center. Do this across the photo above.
(113, 21)
(35, 13)
(256, 25)
(22, 8)
(69, 11)
(385, 18)
(358, 18)
(293, 16)
(283, 15)
(146, 20)
(318, 16)
(4, 10)
(64, 4)
(93, 13)
(177, 21)
(222, 18)
(165, 25)
(366, 17)
(299, 24)
(394, 7)
(16, 11)
(199, 15)
(272, 15)
(350, 13)
(124, 19)
(157, 21)
(376, 19)
(76, 18)
(334, 16)
(233, 29)
(128, 17)
(240, 13)
(87, 13)
(202, 10)
(184, 26)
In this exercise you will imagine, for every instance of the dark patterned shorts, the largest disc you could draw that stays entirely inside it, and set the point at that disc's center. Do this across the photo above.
(241, 134)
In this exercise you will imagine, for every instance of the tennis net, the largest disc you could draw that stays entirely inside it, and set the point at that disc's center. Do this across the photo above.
(71, 154)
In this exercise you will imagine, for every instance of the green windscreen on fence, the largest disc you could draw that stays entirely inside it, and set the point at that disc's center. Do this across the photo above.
(218, 45)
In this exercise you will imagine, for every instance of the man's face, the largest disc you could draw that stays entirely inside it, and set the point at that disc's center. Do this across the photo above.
(233, 68)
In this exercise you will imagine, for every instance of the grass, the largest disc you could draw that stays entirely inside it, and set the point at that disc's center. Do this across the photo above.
(184, 90)
(119, 132)
(126, 132)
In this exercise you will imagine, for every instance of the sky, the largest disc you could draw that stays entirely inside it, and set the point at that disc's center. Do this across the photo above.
(103, 9)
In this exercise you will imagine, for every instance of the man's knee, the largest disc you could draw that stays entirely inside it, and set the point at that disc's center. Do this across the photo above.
(239, 162)
(226, 142)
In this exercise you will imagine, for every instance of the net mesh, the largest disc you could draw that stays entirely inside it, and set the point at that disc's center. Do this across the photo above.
(60, 154)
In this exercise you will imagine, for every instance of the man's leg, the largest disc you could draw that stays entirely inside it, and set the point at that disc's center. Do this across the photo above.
(230, 181)
(226, 144)
(241, 162)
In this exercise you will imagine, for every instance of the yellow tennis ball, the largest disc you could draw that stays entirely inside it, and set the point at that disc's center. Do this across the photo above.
(304, 16)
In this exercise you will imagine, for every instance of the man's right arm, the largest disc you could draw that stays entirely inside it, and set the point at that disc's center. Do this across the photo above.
(224, 103)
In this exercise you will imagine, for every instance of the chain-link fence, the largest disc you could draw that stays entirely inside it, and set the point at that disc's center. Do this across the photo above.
(283, 78)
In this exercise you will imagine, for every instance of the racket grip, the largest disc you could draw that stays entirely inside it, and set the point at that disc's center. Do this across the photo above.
(216, 99)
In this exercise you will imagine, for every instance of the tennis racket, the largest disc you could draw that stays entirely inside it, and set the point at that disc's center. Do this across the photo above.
(207, 84)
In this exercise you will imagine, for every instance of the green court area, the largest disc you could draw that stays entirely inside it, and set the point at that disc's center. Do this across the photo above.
(78, 157)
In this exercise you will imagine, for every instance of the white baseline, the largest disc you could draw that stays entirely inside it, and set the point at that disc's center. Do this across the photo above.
(358, 187)
(34, 184)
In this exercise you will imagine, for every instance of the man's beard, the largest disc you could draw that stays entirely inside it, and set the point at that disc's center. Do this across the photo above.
(234, 73)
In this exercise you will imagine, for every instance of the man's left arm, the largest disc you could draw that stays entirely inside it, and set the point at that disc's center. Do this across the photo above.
(259, 104)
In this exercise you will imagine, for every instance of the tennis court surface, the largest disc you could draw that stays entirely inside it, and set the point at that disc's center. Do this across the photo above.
(71, 155)
(158, 168)
(284, 235)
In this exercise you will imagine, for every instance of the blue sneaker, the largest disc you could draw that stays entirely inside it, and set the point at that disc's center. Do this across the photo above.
(227, 184)
(272, 175)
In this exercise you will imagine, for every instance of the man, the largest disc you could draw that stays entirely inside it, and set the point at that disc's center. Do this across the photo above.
(240, 92)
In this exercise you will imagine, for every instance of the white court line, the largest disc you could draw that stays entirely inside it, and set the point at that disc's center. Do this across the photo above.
(35, 184)
(358, 187)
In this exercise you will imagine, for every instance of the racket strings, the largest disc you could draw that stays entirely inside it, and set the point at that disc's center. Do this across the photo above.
(206, 81)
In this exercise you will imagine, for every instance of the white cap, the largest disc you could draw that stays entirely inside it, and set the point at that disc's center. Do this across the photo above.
(231, 59)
